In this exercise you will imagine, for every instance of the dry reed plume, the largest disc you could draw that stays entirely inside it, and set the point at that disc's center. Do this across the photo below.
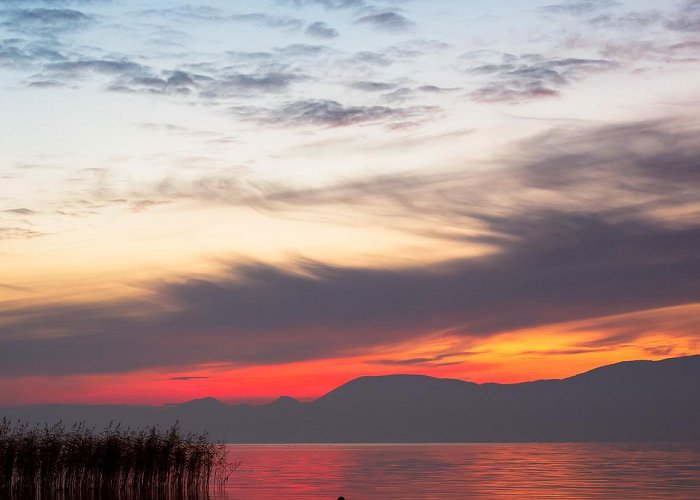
(53, 462)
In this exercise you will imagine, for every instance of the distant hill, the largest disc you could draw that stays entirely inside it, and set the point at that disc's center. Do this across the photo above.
(630, 401)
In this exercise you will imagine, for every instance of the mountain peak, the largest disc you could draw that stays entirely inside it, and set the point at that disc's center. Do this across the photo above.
(207, 402)
(394, 387)
(286, 402)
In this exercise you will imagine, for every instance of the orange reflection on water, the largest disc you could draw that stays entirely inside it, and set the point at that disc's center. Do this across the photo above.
(641, 471)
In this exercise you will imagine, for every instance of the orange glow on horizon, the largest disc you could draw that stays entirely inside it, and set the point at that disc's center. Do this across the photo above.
(520, 356)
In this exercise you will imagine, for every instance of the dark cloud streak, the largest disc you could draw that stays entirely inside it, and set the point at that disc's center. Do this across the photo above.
(524, 78)
(579, 7)
(204, 13)
(328, 4)
(386, 21)
(321, 30)
(44, 21)
(328, 113)
(687, 19)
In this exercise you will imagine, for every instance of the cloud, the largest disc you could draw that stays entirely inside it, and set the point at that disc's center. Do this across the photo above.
(20, 53)
(630, 20)
(518, 79)
(328, 113)
(130, 77)
(439, 360)
(15, 287)
(585, 223)
(399, 95)
(125, 75)
(372, 58)
(433, 89)
(271, 59)
(18, 233)
(185, 379)
(579, 7)
(255, 313)
(45, 84)
(386, 21)
(54, 2)
(690, 45)
(372, 86)
(562, 352)
(630, 167)
(43, 21)
(329, 4)
(174, 82)
(104, 66)
(20, 211)
(687, 19)
(302, 49)
(268, 20)
(652, 50)
(236, 84)
(205, 13)
(321, 30)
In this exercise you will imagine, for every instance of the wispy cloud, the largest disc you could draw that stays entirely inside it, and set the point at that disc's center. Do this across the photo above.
(20, 211)
(687, 18)
(132, 77)
(21, 53)
(237, 83)
(386, 21)
(579, 7)
(210, 14)
(629, 20)
(321, 30)
(528, 77)
(105, 66)
(437, 360)
(43, 21)
(329, 4)
(328, 113)
(373, 86)
(18, 233)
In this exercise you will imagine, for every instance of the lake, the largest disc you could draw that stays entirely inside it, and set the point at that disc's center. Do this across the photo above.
(578, 470)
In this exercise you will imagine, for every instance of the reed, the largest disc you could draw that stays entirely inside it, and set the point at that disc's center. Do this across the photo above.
(52, 462)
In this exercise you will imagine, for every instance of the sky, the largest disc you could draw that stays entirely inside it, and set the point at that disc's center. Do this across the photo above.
(246, 199)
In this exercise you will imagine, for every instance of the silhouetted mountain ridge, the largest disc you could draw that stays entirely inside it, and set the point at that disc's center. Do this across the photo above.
(207, 402)
(629, 401)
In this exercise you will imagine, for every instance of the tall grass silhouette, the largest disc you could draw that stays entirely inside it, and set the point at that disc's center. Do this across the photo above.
(51, 461)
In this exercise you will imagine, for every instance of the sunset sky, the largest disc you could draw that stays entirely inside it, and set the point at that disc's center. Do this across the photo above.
(247, 199)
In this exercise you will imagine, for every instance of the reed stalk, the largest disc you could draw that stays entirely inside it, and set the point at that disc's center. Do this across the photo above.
(55, 462)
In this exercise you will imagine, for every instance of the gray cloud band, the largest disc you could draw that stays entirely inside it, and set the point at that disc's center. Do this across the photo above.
(587, 231)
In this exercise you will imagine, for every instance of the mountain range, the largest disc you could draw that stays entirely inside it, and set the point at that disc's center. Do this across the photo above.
(629, 401)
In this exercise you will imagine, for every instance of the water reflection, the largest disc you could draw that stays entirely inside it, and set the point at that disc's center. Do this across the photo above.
(496, 471)
(489, 471)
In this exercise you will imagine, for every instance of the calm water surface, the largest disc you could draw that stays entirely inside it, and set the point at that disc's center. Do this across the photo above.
(635, 471)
